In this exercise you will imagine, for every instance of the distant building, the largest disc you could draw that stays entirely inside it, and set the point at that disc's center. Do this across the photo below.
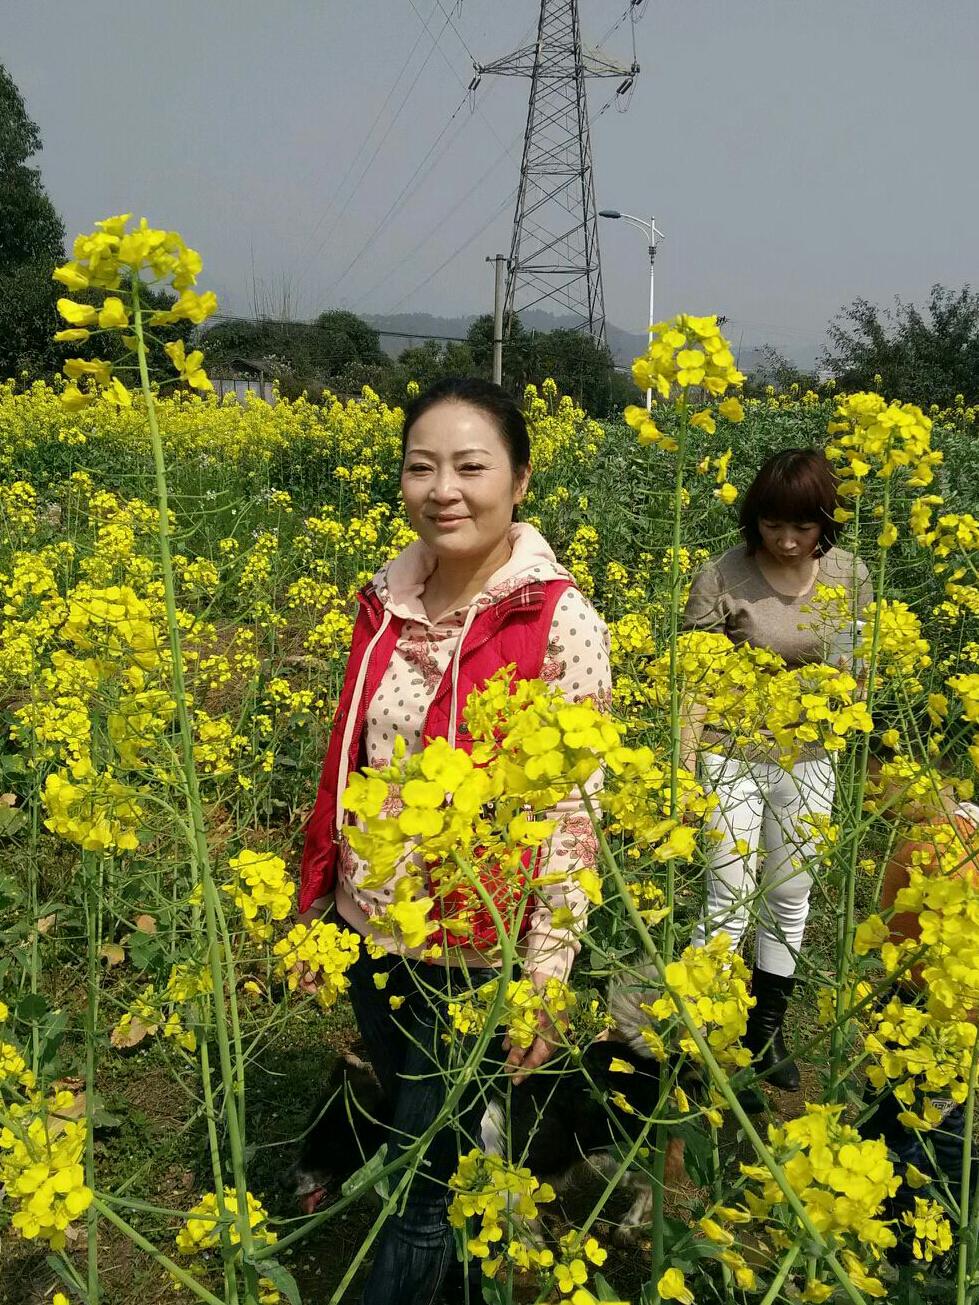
(243, 376)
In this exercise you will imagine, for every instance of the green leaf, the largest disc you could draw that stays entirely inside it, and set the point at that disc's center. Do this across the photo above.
(58, 1267)
(494, 1293)
(366, 1175)
(32, 1007)
(12, 820)
(144, 949)
(54, 1031)
(698, 1153)
(280, 1278)
(601, 1289)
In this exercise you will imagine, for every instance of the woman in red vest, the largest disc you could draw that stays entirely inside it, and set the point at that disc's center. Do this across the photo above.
(476, 591)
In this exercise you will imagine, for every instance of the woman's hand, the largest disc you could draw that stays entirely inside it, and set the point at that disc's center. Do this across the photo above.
(522, 1061)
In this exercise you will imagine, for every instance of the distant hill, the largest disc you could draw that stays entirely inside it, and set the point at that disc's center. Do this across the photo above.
(415, 328)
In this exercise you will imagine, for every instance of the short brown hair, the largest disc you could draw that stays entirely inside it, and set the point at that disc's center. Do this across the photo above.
(795, 485)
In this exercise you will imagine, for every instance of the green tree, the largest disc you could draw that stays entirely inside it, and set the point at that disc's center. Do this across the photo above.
(580, 365)
(346, 338)
(924, 355)
(31, 244)
(479, 338)
(429, 362)
(332, 351)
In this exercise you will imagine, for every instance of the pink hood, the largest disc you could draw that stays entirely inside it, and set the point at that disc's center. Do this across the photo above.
(401, 582)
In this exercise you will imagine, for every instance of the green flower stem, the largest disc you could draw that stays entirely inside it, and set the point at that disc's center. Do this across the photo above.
(968, 1218)
(718, 1186)
(719, 1076)
(659, 1139)
(845, 914)
(33, 873)
(216, 962)
(183, 1277)
(682, 431)
(214, 1147)
(235, 1020)
(89, 875)
(772, 1295)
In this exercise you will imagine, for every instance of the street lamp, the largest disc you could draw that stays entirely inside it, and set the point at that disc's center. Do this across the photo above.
(650, 231)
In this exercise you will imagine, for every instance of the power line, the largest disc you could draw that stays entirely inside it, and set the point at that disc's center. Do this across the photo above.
(370, 162)
(433, 231)
(410, 185)
(491, 219)
(337, 190)
(448, 19)
(470, 87)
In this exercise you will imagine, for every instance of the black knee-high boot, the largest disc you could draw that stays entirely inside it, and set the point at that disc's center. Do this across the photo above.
(763, 1037)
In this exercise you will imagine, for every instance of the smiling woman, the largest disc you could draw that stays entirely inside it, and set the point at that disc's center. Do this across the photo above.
(477, 591)
(465, 469)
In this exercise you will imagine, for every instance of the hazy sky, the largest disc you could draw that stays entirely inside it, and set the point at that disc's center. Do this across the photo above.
(796, 152)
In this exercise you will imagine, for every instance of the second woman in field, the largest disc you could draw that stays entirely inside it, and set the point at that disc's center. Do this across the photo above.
(761, 593)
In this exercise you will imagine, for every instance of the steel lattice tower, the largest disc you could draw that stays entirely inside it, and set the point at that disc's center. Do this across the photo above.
(554, 254)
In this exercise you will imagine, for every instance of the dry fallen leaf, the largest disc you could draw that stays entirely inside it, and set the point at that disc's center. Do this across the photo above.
(133, 1034)
(46, 923)
(145, 924)
(112, 953)
(8, 799)
(57, 1121)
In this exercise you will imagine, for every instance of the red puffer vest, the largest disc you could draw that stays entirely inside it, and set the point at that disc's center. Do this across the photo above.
(515, 629)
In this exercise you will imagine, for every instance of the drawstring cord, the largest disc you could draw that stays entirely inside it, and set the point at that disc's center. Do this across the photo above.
(456, 656)
(351, 721)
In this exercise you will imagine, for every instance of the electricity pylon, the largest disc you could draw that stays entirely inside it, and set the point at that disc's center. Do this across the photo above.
(554, 255)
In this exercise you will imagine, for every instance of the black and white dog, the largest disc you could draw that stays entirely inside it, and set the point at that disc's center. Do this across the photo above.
(558, 1123)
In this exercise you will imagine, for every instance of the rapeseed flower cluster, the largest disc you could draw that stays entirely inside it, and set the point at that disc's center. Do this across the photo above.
(505, 1198)
(872, 437)
(262, 891)
(322, 949)
(41, 1168)
(92, 808)
(523, 1006)
(749, 694)
(112, 257)
(167, 1010)
(203, 1225)
(842, 1181)
(471, 819)
(206, 1223)
(924, 1051)
(688, 354)
(710, 984)
(902, 651)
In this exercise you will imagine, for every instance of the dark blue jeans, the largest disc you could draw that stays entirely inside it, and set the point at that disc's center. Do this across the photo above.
(415, 1252)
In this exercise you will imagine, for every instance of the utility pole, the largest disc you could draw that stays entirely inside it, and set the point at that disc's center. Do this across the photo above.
(554, 255)
(498, 298)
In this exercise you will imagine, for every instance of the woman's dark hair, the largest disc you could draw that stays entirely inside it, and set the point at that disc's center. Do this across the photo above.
(795, 485)
(491, 400)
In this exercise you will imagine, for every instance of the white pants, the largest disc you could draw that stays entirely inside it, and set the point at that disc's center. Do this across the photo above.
(761, 801)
